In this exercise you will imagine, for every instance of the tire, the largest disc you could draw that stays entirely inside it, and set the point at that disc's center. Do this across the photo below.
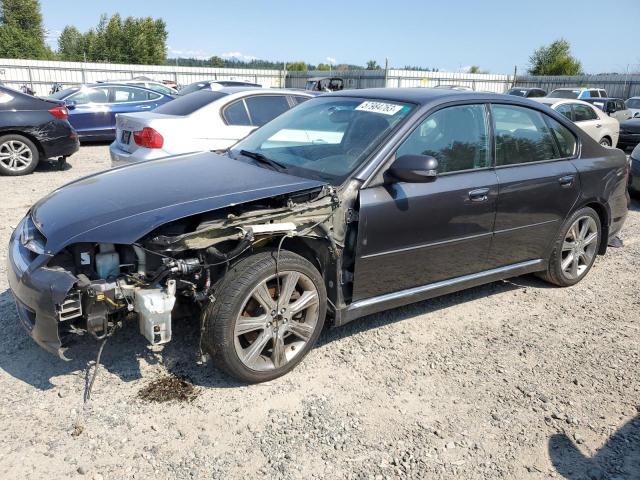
(564, 272)
(18, 155)
(241, 335)
(605, 142)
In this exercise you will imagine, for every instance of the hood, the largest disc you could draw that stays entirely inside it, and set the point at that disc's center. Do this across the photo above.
(123, 204)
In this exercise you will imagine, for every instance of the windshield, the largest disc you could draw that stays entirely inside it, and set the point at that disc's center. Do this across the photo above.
(193, 87)
(325, 138)
(63, 93)
(633, 103)
(564, 94)
(517, 92)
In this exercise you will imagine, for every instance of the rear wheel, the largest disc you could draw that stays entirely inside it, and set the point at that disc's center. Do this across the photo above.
(18, 155)
(605, 142)
(575, 249)
(263, 323)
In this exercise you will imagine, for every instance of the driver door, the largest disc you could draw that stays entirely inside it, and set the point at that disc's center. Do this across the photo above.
(414, 234)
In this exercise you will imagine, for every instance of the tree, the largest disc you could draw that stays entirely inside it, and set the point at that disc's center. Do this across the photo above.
(134, 40)
(21, 30)
(474, 69)
(323, 66)
(297, 67)
(373, 65)
(555, 59)
(217, 62)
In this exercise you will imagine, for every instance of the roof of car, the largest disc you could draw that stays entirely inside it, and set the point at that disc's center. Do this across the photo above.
(417, 95)
(595, 99)
(261, 90)
(555, 101)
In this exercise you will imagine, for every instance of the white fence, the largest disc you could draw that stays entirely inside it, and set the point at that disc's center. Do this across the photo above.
(39, 75)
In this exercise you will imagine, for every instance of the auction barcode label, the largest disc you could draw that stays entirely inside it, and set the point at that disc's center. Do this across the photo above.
(379, 107)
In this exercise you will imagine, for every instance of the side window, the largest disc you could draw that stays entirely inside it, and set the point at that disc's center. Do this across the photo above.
(456, 136)
(565, 109)
(153, 95)
(236, 114)
(90, 95)
(620, 105)
(582, 113)
(264, 108)
(522, 136)
(298, 99)
(564, 137)
(129, 94)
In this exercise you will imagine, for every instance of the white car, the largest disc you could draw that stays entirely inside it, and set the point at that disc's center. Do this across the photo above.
(201, 121)
(601, 127)
(633, 104)
(578, 93)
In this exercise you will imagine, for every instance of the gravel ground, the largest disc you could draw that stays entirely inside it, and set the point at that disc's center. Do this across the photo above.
(510, 380)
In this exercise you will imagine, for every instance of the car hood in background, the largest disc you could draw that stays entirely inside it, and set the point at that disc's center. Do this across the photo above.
(124, 204)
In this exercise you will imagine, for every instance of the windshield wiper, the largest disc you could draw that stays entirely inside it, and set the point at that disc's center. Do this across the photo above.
(263, 159)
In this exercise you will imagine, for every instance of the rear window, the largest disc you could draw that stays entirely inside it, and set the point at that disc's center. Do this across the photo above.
(518, 92)
(193, 87)
(633, 103)
(564, 94)
(186, 105)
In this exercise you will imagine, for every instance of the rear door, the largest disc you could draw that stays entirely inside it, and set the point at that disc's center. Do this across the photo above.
(89, 110)
(586, 117)
(538, 182)
(414, 234)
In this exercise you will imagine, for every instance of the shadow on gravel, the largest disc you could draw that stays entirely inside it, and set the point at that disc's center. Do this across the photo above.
(430, 306)
(618, 459)
(23, 359)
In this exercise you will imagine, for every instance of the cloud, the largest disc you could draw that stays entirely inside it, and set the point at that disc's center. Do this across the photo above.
(332, 60)
(199, 54)
(238, 56)
(51, 37)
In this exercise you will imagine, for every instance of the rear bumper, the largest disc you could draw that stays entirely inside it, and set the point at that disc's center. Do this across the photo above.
(121, 157)
(37, 290)
(58, 139)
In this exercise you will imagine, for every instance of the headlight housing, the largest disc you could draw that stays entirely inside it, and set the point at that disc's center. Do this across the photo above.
(30, 236)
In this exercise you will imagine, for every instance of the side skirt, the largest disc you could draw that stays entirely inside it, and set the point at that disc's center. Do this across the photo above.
(387, 301)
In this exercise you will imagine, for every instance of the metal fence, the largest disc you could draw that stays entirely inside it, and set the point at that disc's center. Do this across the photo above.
(616, 85)
(39, 75)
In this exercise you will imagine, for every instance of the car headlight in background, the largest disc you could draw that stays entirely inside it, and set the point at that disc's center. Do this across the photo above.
(30, 236)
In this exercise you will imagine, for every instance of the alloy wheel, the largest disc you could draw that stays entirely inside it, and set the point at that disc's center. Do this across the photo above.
(15, 155)
(579, 247)
(276, 321)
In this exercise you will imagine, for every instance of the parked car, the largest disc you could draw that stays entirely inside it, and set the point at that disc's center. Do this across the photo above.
(634, 174)
(324, 84)
(629, 133)
(202, 121)
(527, 92)
(93, 108)
(214, 85)
(602, 128)
(578, 93)
(633, 104)
(32, 129)
(150, 84)
(614, 107)
(408, 201)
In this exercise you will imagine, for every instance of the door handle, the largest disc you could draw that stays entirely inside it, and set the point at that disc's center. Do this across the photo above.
(566, 181)
(598, 125)
(479, 195)
(144, 106)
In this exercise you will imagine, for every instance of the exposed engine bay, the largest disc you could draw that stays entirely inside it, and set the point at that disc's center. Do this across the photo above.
(179, 264)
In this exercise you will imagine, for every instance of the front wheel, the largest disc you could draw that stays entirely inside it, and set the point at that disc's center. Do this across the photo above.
(263, 322)
(605, 142)
(575, 249)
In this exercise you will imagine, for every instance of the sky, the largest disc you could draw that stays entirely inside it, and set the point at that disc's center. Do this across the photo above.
(449, 35)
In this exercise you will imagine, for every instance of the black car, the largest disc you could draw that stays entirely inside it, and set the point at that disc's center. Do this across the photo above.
(214, 85)
(634, 175)
(32, 129)
(348, 204)
(527, 92)
(629, 133)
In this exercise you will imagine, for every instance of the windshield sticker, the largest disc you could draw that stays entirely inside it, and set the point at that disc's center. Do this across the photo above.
(379, 107)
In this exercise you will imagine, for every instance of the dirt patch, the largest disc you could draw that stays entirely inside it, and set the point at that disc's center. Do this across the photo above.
(169, 388)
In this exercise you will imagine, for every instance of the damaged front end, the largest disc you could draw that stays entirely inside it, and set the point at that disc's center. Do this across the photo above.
(95, 287)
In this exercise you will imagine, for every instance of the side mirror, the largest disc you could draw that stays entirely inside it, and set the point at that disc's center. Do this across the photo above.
(637, 115)
(414, 168)
(70, 104)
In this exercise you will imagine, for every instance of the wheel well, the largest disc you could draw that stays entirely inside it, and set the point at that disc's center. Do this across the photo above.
(608, 138)
(26, 135)
(604, 223)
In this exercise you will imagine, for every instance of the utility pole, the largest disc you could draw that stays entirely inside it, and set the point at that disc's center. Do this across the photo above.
(515, 75)
(386, 71)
